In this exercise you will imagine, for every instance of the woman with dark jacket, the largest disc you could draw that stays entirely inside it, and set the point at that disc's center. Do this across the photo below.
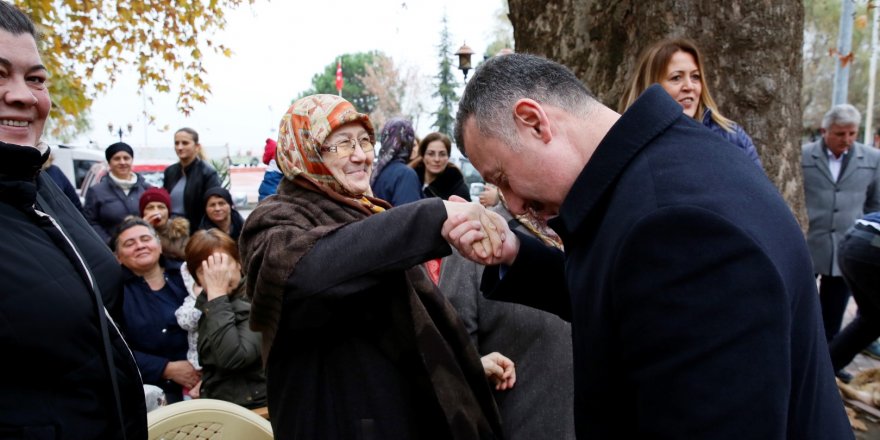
(154, 289)
(221, 214)
(392, 180)
(117, 195)
(67, 372)
(229, 351)
(358, 343)
(438, 177)
(188, 180)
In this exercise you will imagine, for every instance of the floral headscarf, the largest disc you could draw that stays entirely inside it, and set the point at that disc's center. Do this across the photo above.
(304, 127)
(398, 138)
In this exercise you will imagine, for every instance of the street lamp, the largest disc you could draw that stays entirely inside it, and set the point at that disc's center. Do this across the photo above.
(110, 129)
(464, 59)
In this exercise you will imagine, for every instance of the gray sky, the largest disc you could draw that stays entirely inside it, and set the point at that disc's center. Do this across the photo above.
(278, 46)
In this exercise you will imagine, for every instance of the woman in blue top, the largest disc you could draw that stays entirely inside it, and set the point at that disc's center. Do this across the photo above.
(152, 293)
(676, 64)
(392, 180)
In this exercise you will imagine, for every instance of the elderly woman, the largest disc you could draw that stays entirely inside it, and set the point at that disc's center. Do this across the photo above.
(67, 371)
(392, 180)
(189, 179)
(358, 343)
(229, 351)
(153, 291)
(118, 193)
(220, 213)
(438, 177)
(676, 64)
(155, 208)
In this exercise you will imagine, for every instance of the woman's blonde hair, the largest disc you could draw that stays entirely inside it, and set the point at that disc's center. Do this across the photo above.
(652, 69)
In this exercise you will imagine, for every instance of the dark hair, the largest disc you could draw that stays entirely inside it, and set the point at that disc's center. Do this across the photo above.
(15, 22)
(128, 223)
(194, 134)
(435, 136)
(203, 244)
(502, 80)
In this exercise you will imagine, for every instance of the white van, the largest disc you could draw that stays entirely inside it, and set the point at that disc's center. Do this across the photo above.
(75, 162)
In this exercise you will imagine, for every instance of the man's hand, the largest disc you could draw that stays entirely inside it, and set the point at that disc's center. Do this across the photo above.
(486, 241)
(499, 370)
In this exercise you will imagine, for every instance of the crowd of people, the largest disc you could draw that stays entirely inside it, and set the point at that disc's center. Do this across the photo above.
(654, 284)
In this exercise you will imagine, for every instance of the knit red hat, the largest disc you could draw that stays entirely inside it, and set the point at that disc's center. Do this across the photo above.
(155, 195)
(269, 151)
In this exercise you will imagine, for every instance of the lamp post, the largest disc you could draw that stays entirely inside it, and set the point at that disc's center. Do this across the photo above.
(119, 132)
(464, 59)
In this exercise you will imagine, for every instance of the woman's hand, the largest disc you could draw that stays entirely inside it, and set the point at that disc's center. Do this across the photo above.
(216, 274)
(499, 370)
(195, 392)
(489, 196)
(182, 373)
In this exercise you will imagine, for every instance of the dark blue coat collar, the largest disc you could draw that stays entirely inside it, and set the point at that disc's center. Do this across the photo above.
(651, 114)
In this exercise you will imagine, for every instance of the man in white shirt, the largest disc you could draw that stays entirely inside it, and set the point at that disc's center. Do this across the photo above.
(841, 184)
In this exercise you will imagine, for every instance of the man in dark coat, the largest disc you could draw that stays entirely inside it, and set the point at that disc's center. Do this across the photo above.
(685, 277)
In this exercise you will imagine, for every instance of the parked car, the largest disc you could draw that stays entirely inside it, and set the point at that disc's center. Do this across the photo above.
(75, 162)
(153, 173)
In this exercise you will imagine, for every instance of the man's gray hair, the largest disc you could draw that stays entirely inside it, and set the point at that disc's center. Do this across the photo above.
(841, 114)
(502, 80)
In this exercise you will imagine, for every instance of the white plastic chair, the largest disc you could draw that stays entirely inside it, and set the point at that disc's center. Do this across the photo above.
(200, 419)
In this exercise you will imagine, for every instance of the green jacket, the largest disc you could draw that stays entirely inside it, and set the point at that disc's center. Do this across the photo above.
(229, 352)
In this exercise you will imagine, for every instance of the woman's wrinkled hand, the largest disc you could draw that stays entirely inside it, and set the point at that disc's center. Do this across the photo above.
(182, 373)
(499, 370)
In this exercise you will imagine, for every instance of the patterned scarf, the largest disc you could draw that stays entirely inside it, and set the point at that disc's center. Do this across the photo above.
(535, 225)
(304, 127)
(398, 138)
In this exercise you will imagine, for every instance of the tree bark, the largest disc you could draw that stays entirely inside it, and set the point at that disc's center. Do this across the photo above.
(752, 54)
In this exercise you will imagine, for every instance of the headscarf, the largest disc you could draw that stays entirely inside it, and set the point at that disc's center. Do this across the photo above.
(304, 127)
(535, 226)
(397, 139)
(221, 192)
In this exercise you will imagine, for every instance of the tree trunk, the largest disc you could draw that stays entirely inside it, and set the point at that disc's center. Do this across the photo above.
(752, 52)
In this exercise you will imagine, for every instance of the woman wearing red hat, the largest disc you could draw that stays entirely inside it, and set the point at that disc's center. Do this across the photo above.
(155, 208)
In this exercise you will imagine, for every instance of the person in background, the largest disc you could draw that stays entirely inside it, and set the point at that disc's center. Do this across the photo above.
(229, 350)
(677, 65)
(490, 196)
(841, 184)
(392, 180)
(438, 177)
(189, 179)
(118, 193)
(357, 341)
(173, 232)
(154, 289)
(220, 213)
(859, 261)
(63, 182)
(272, 175)
(67, 371)
(541, 404)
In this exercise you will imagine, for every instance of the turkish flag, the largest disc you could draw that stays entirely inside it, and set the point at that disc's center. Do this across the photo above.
(339, 81)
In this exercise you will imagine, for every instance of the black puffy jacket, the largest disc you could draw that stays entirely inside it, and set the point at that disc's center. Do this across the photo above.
(55, 377)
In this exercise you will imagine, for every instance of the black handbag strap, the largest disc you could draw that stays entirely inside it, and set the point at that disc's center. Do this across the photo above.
(100, 309)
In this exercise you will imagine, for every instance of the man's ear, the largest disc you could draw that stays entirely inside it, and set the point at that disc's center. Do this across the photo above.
(529, 116)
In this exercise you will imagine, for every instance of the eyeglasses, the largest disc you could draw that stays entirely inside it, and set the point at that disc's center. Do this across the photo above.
(345, 148)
